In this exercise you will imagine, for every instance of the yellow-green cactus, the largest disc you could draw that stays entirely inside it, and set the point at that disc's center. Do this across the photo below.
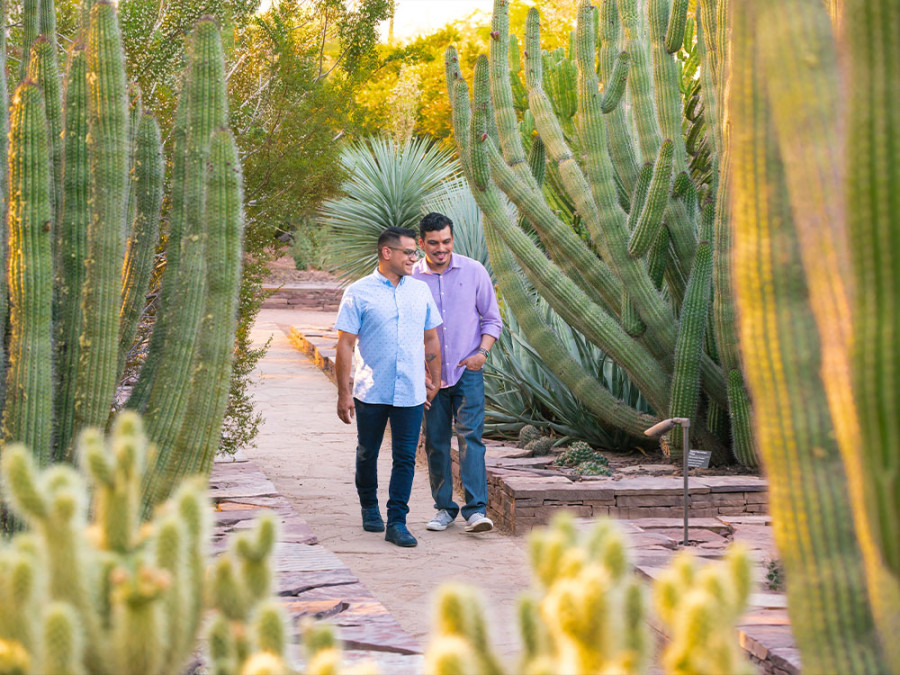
(700, 608)
(588, 612)
(118, 595)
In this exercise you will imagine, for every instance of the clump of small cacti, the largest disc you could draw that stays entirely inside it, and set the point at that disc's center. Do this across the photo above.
(584, 459)
(540, 446)
(594, 467)
(113, 595)
(587, 612)
(528, 434)
(700, 607)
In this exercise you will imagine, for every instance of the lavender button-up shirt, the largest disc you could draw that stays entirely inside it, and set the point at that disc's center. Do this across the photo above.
(465, 297)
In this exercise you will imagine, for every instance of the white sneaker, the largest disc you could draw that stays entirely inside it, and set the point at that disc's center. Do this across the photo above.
(441, 521)
(478, 522)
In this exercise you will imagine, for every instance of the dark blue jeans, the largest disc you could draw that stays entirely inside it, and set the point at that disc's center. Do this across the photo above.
(458, 409)
(371, 420)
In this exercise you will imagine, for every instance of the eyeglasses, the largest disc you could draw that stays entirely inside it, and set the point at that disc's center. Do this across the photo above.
(408, 252)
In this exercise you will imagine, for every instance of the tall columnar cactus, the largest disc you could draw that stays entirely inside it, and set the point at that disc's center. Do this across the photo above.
(814, 187)
(27, 414)
(108, 186)
(629, 299)
(587, 612)
(147, 179)
(71, 245)
(107, 126)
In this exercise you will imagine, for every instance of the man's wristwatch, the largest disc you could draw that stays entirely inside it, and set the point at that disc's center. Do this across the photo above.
(485, 352)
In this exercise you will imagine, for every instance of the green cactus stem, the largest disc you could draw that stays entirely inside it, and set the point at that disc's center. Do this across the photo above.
(211, 384)
(619, 121)
(71, 247)
(43, 70)
(31, 28)
(140, 251)
(646, 229)
(816, 537)
(4, 191)
(27, 415)
(677, 23)
(871, 457)
(203, 109)
(615, 86)
(691, 338)
(107, 157)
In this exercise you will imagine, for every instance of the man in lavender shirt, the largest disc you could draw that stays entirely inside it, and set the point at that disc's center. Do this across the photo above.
(465, 297)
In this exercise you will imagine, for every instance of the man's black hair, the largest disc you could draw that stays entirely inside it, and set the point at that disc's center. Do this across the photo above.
(391, 237)
(434, 222)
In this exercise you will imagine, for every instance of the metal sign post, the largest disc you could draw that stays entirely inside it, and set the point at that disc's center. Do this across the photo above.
(660, 429)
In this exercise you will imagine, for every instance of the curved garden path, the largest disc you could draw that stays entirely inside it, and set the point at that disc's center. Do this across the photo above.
(309, 455)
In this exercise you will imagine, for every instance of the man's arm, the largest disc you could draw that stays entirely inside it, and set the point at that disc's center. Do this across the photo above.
(433, 364)
(489, 319)
(342, 364)
(478, 359)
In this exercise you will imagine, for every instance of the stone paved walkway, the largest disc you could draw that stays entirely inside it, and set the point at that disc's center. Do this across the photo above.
(309, 455)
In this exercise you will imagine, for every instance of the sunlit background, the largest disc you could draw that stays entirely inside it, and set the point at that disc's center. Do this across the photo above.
(417, 17)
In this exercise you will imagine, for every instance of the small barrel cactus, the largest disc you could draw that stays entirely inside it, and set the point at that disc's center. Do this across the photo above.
(527, 434)
(576, 453)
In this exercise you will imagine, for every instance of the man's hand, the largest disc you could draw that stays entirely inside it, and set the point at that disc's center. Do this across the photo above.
(346, 409)
(431, 391)
(345, 406)
(474, 362)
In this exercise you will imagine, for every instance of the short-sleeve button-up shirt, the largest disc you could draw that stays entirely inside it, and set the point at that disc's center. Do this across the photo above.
(389, 322)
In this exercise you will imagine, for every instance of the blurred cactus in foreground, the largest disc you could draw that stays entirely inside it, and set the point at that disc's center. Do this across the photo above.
(588, 614)
(109, 595)
(117, 595)
(700, 607)
(815, 149)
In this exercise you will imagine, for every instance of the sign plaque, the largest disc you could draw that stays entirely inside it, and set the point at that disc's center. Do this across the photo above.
(698, 459)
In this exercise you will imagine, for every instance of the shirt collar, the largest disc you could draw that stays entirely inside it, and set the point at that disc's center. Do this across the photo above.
(423, 267)
(384, 280)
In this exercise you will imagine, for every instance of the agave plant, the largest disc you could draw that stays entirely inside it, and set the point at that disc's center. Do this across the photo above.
(387, 185)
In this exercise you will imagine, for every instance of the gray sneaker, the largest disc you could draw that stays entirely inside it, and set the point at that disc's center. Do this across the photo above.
(478, 522)
(441, 521)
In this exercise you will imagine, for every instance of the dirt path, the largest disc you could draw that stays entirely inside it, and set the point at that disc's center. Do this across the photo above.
(309, 456)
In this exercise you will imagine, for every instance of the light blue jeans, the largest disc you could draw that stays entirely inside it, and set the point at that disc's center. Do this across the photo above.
(458, 409)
